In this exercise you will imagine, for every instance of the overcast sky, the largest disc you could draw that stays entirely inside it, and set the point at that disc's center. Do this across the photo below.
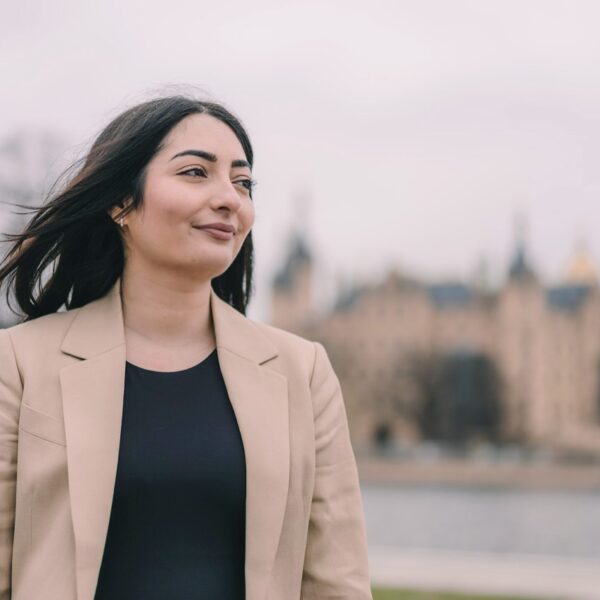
(414, 130)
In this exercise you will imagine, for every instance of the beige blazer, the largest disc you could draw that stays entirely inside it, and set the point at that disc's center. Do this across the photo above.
(61, 397)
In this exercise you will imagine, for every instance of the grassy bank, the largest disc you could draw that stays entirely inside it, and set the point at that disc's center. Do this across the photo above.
(392, 594)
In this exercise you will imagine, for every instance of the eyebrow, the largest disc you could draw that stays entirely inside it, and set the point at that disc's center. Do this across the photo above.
(210, 157)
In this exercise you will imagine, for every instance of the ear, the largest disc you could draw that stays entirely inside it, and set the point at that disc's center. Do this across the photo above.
(115, 211)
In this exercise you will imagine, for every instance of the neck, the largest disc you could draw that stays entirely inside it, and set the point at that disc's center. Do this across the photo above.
(166, 309)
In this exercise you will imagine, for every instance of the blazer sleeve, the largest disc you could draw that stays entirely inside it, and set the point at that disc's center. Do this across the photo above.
(10, 403)
(336, 560)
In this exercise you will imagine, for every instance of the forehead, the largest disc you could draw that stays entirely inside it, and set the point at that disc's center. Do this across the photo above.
(204, 132)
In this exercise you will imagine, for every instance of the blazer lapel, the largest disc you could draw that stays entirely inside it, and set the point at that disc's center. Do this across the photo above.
(259, 397)
(92, 394)
(92, 391)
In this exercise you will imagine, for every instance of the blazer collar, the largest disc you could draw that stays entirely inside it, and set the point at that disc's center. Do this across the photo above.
(98, 327)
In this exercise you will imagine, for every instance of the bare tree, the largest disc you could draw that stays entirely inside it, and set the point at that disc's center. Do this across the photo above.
(29, 162)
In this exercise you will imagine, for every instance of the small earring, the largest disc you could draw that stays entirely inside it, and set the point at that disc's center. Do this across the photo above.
(121, 221)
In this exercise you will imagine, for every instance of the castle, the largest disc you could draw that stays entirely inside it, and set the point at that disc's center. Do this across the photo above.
(454, 361)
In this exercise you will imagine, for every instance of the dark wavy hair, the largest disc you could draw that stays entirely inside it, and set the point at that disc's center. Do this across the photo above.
(72, 234)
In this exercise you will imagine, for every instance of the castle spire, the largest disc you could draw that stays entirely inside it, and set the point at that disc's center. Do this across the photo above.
(520, 271)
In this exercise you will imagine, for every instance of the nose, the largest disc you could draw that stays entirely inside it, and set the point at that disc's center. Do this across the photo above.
(226, 196)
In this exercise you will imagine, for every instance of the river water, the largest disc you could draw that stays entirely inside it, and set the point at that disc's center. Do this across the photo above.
(489, 520)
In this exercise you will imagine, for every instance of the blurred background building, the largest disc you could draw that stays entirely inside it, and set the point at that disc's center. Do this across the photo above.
(457, 362)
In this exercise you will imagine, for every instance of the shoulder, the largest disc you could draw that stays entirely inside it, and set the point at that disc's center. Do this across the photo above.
(296, 352)
(42, 335)
(285, 341)
(53, 323)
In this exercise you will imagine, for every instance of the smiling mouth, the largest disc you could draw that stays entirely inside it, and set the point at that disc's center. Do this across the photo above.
(216, 233)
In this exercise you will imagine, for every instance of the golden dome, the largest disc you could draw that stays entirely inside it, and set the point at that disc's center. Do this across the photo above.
(582, 268)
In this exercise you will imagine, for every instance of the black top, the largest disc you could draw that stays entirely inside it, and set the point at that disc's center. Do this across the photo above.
(177, 525)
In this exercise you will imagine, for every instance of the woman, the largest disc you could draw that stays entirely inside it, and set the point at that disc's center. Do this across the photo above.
(155, 442)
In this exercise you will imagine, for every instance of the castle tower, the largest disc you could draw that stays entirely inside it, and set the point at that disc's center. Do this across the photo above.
(575, 322)
(291, 306)
(520, 323)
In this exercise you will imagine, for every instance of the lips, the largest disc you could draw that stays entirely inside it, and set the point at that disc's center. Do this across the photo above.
(219, 226)
(218, 234)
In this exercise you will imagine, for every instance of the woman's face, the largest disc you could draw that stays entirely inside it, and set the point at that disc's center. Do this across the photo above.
(199, 177)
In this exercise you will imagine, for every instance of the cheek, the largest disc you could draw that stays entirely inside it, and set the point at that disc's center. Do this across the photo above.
(249, 216)
(164, 205)
(246, 219)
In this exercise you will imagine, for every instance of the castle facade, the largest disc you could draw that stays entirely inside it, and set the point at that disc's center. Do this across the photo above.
(520, 364)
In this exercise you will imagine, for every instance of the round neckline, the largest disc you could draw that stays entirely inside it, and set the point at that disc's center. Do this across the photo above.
(138, 368)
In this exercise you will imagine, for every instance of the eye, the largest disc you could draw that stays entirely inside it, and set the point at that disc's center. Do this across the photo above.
(247, 183)
(194, 172)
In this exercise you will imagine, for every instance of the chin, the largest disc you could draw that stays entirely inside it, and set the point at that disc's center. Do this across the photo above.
(214, 268)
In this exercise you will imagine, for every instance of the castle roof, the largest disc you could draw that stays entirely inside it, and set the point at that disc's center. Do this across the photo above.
(567, 297)
(348, 298)
(450, 294)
